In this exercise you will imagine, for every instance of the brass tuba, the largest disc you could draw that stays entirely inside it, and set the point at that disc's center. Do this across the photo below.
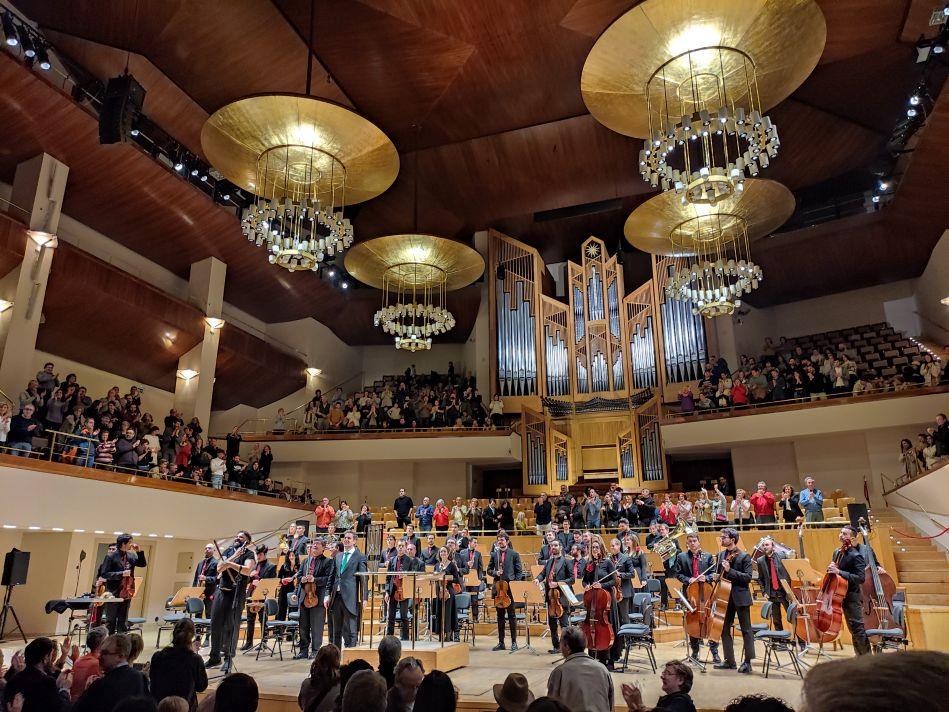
(666, 547)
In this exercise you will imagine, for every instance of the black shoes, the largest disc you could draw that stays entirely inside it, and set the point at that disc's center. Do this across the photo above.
(247, 646)
(499, 646)
(300, 656)
(715, 659)
(226, 667)
(212, 662)
(724, 666)
(745, 668)
(554, 651)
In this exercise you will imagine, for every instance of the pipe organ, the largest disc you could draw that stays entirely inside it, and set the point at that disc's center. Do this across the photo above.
(641, 337)
(651, 455)
(556, 348)
(547, 453)
(516, 298)
(683, 332)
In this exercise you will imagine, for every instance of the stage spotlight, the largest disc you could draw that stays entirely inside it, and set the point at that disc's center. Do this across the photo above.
(42, 57)
(332, 273)
(179, 166)
(344, 285)
(26, 41)
(9, 29)
(884, 185)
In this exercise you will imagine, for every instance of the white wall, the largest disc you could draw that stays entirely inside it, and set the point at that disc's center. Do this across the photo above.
(925, 502)
(931, 288)
(835, 311)
(379, 361)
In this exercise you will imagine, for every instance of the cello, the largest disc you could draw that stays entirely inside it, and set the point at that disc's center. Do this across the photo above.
(697, 595)
(803, 595)
(717, 602)
(829, 610)
(596, 626)
(877, 588)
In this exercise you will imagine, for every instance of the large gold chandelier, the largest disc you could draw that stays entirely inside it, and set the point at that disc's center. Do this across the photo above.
(415, 272)
(695, 79)
(304, 159)
(710, 245)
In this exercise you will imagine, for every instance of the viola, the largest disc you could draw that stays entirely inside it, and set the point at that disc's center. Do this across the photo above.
(617, 581)
(310, 599)
(596, 626)
(397, 591)
(878, 590)
(127, 590)
(554, 606)
(829, 610)
(502, 594)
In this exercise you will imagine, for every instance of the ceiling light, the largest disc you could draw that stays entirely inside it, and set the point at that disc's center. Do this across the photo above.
(914, 100)
(884, 185)
(311, 371)
(944, 300)
(179, 166)
(194, 172)
(938, 49)
(118, 533)
(136, 533)
(876, 198)
(187, 374)
(226, 197)
(152, 535)
(344, 284)
(100, 531)
(9, 526)
(332, 272)
(9, 29)
(26, 41)
(214, 322)
(168, 536)
(42, 238)
(58, 529)
(33, 527)
(204, 177)
(134, 132)
(79, 531)
(42, 57)
(911, 112)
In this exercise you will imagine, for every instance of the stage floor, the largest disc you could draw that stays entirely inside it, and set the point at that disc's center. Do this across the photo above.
(711, 690)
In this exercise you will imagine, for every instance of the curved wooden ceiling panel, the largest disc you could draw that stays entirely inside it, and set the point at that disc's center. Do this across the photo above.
(251, 371)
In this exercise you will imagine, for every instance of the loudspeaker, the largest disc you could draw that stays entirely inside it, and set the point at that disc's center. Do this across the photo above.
(122, 104)
(855, 511)
(16, 564)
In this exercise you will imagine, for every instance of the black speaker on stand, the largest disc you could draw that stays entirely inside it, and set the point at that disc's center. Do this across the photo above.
(16, 566)
(121, 105)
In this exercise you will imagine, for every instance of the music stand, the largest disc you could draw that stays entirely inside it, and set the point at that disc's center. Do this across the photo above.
(676, 590)
(181, 596)
(265, 588)
(530, 593)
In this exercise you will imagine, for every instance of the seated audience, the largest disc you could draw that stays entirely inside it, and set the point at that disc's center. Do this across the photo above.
(88, 666)
(389, 651)
(513, 695)
(437, 692)
(318, 692)
(409, 674)
(676, 684)
(365, 691)
(120, 680)
(178, 670)
(36, 680)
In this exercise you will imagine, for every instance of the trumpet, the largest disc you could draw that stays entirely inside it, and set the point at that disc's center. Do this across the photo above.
(666, 547)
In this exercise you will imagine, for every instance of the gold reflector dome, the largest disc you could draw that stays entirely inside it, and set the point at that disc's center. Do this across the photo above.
(369, 261)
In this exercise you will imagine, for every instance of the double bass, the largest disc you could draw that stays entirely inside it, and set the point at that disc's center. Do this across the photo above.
(596, 626)
(829, 611)
(878, 590)
(804, 596)
(713, 612)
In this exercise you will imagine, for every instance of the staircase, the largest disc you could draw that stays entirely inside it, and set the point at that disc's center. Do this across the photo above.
(921, 567)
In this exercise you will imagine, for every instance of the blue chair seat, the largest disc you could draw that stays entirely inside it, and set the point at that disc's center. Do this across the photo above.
(574, 620)
(174, 617)
(636, 617)
(886, 632)
(773, 635)
(201, 621)
(633, 629)
(136, 621)
(282, 624)
(758, 627)
(295, 616)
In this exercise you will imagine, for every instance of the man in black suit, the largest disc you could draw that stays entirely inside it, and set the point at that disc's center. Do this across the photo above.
(505, 565)
(565, 536)
(37, 682)
(411, 537)
(344, 597)
(429, 555)
(576, 562)
(696, 565)
(120, 681)
(397, 564)
(300, 543)
(317, 569)
(556, 570)
(735, 566)
(233, 571)
(116, 569)
(205, 574)
(849, 563)
(549, 538)
(473, 561)
(263, 569)
(771, 573)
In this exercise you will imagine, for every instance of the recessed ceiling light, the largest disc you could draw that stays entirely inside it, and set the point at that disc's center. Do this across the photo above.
(169, 536)
(9, 526)
(944, 300)
(58, 529)
(79, 531)
(33, 527)
(100, 531)
(136, 533)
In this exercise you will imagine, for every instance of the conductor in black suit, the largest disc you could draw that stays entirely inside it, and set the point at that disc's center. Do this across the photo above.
(771, 573)
(344, 597)
(505, 565)
(397, 564)
(735, 566)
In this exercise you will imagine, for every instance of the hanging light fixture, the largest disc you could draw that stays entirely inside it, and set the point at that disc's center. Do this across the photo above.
(695, 80)
(710, 245)
(304, 159)
(415, 272)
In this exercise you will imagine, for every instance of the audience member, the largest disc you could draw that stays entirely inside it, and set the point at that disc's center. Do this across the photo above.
(318, 692)
(758, 703)
(409, 674)
(676, 683)
(178, 670)
(364, 692)
(580, 682)
(36, 681)
(437, 692)
(120, 680)
(236, 693)
(88, 666)
(389, 651)
(513, 695)
(173, 704)
(547, 704)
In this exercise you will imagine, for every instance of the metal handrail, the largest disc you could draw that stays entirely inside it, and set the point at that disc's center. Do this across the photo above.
(315, 433)
(920, 507)
(304, 404)
(9, 399)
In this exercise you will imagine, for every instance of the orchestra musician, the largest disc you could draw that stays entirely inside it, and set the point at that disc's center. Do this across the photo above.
(505, 565)
(771, 573)
(116, 568)
(316, 569)
(205, 575)
(598, 573)
(388, 551)
(411, 537)
(233, 571)
(97, 612)
(287, 574)
(549, 538)
(626, 573)
(444, 612)
(473, 561)
(735, 566)
(263, 569)
(693, 565)
(576, 562)
(565, 536)
(397, 564)
(344, 600)
(300, 543)
(852, 567)
(636, 556)
(556, 570)
(429, 555)
(416, 563)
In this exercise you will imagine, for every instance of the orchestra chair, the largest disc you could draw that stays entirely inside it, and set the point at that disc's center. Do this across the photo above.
(275, 631)
(194, 608)
(168, 621)
(891, 638)
(465, 623)
(639, 635)
(777, 641)
(654, 589)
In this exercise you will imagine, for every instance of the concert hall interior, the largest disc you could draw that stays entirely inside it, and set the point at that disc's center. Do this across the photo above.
(578, 354)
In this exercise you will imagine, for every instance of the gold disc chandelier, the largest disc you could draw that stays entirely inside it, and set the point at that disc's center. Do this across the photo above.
(415, 272)
(711, 245)
(304, 159)
(695, 80)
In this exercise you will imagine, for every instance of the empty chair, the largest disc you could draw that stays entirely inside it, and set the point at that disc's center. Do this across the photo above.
(777, 641)
(639, 635)
(883, 639)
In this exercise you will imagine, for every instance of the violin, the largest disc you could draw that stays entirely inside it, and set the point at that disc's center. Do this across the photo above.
(502, 594)
(878, 590)
(829, 611)
(397, 592)
(554, 606)
(617, 582)
(310, 597)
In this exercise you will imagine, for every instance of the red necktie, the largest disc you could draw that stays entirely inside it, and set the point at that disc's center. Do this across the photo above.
(550, 574)
(775, 586)
(502, 562)
(695, 566)
(398, 563)
(471, 559)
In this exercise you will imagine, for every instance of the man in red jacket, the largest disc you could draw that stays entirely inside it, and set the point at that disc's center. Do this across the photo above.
(762, 502)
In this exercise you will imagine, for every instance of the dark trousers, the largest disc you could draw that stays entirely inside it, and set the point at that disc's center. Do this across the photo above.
(311, 628)
(776, 602)
(748, 636)
(252, 618)
(116, 616)
(474, 590)
(225, 617)
(283, 604)
(853, 614)
(622, 608)
(403, 608)
(512, 623)
(342, 624)
(694, 644)
(444, 616)
(766, 519)
(401, 522)
(558, 624)
(208, 602)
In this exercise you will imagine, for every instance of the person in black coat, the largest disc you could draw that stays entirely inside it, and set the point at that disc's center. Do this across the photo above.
(177, 670)
(645, 508)
(556, 570)
(471, 560)
(263, 569)
(489, 517)
(205, 574)
(771, 573)
(115, 569)
(37, 682)
(288, 582)
(315, 568)
(429, 554)
(696, 565)
(397, 564)
(735, 566)
(790, 509)
(444, 610)
(506, 516)
(120, 681)
(849, 563)
(505, 565)
(599, 573)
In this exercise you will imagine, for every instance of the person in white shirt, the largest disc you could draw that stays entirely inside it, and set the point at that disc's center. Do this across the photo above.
(218, 466)
(741, 507)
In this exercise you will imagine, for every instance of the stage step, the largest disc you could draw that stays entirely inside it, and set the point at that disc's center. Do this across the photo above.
(909, 577)
(928, 599)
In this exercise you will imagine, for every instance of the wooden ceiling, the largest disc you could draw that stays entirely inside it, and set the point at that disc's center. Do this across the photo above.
(494, 86)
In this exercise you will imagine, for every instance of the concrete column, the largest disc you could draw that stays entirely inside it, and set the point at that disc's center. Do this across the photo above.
(38, 186)
(205, 291)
